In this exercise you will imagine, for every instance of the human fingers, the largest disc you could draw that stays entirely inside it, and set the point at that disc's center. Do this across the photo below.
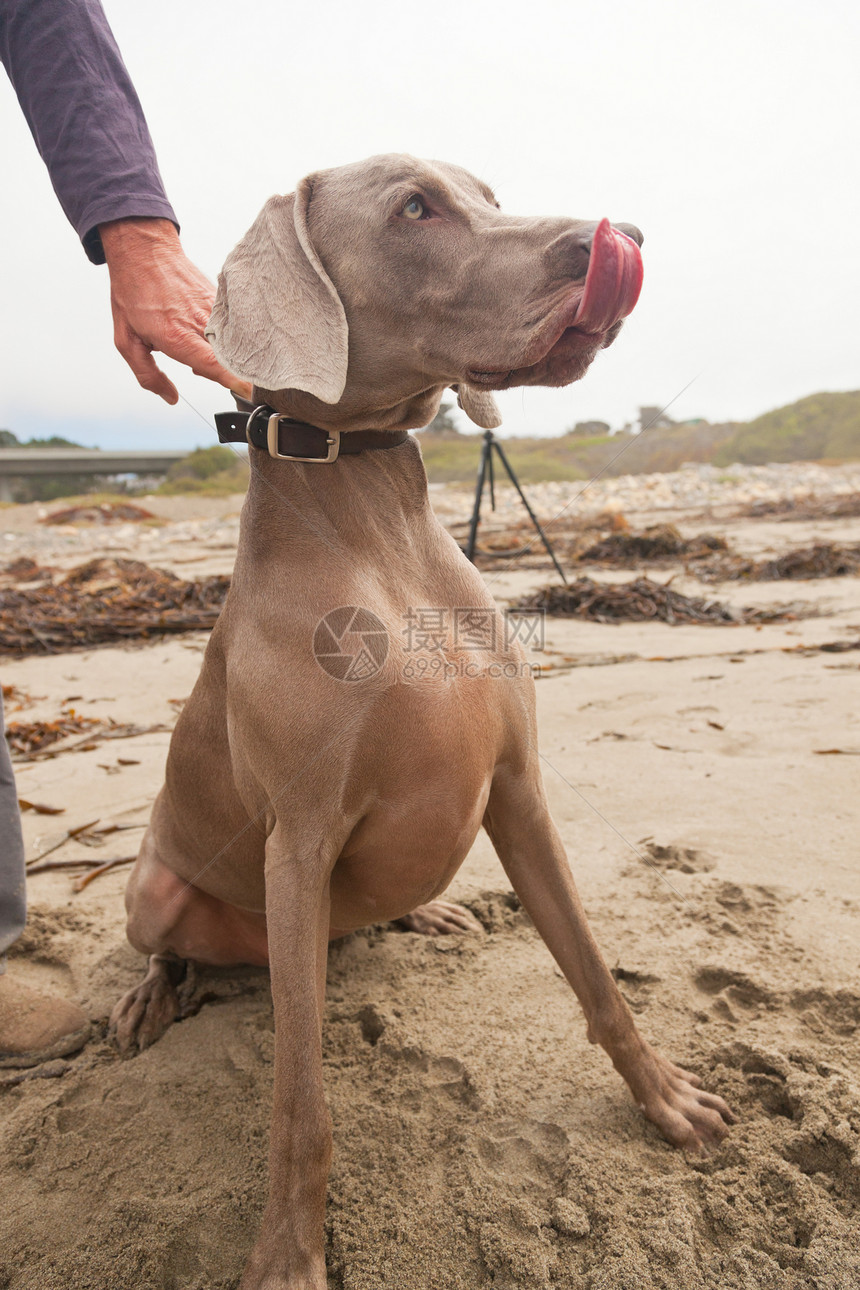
(140, 360)
(196, 353)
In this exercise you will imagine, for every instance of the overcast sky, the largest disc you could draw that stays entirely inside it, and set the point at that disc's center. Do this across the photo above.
(727, 131)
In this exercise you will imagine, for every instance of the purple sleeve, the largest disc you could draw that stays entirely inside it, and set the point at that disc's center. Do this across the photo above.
(84, 114)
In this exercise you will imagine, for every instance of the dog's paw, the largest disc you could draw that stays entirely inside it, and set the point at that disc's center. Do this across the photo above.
(143, 1014)
(440, 918)
(673, 1099)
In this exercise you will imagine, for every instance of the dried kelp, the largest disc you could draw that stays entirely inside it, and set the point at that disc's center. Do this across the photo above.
(28, 737)
(106, 600)
(99, 513)
(658, 542)
(42, 740)
(806, 507)
(640, 601)
(821, 560)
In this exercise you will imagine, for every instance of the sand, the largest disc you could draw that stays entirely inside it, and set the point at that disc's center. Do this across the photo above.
(480, 1141)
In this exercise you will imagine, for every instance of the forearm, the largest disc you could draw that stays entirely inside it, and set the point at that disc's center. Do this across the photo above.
(89, 127)
(533, 856)
(83, 112)
(154, 241)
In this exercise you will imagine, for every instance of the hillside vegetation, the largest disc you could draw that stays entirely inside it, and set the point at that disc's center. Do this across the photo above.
(576, 456)
(821, 427)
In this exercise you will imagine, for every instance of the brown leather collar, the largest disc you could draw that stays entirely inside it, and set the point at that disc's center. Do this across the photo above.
(288, 440)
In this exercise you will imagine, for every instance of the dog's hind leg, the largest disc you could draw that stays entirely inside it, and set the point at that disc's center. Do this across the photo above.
(176, 924)
(531, 851)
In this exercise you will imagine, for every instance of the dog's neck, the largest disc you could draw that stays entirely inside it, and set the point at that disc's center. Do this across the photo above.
(408, 412)
(369, 504)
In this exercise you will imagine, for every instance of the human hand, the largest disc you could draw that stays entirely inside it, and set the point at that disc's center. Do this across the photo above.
(160, 301)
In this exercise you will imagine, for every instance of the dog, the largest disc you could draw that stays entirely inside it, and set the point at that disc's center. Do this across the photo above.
(318, 779)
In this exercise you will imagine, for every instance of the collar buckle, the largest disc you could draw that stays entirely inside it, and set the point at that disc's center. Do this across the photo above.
(273, 425)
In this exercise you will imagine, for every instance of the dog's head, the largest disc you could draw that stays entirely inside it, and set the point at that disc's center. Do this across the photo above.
(353, 302)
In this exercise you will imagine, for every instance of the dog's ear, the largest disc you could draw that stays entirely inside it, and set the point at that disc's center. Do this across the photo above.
(478, 405)
(278, 320)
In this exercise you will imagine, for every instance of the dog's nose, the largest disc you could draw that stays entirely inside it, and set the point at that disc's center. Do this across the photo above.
(568, 254)
(631, 231)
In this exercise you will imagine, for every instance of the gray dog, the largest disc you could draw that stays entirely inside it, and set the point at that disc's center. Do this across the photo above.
(318, 781)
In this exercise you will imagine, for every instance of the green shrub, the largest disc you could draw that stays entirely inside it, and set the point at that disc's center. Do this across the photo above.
(215, 471)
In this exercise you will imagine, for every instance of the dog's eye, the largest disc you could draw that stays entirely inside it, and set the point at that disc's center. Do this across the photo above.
(414, 208)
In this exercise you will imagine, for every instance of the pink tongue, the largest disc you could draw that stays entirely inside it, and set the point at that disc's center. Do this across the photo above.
(613, 281)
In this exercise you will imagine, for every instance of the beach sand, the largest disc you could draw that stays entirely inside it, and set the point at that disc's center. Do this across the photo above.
(479, 1140)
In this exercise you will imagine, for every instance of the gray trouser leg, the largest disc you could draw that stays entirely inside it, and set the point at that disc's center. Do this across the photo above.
(13, 889)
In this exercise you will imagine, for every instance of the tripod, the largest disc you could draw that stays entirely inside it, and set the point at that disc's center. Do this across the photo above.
(486, 471)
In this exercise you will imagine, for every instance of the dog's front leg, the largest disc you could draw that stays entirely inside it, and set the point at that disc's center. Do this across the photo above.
(289, 1253)
(527, 842)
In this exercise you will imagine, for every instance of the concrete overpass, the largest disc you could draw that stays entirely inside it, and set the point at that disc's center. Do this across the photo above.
(18, 462)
